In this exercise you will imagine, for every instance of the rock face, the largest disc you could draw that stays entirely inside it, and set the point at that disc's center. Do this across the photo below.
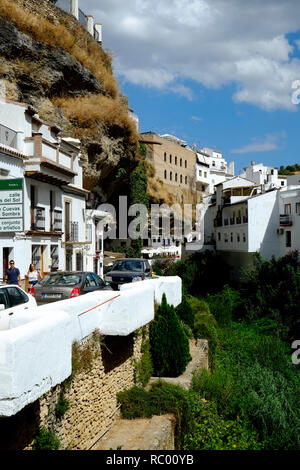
(62, 72)
(39, 74)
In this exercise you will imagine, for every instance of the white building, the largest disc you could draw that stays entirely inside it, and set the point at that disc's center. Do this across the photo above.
(211, 169)
(266, 175)
(288, 230)
(244, 217)
(42, 201)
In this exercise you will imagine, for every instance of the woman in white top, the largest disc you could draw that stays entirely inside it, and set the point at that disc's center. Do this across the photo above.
(33, 275)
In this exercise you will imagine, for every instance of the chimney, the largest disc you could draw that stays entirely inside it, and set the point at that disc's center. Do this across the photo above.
(98, 32)
(90, 24)
(74, 8)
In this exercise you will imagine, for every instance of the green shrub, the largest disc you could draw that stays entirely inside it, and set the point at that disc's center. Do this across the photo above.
(185, 312)
(216, 387)
(205, 327)
(161, 398)
(143, 369)
(45, 440)
(224, 304)
(213, 432)
(271, 403)
(169, 344)
(61, 407)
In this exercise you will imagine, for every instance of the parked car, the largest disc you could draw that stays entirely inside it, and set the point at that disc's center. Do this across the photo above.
(13, 300)
(66, 285)
(128, 270)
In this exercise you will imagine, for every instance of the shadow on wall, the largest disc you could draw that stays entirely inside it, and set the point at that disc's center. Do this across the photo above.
(115, 350)
(14, 435)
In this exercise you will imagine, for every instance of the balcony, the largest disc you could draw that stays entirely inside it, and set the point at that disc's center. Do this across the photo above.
(286, 220)
(72, 232)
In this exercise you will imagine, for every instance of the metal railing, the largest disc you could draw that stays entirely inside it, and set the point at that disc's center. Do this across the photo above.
(72, 232)
(286, 220)
(64, 5)
(82, 18)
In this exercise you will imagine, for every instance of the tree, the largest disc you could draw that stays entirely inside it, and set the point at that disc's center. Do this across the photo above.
(169, 344)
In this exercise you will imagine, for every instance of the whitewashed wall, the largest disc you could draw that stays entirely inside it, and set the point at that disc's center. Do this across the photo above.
(35, 353)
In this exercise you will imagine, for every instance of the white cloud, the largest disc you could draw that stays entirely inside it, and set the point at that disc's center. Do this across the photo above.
(213, 42)
(267, 144)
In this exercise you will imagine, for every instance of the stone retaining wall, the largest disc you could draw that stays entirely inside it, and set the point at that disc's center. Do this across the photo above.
(102, 367)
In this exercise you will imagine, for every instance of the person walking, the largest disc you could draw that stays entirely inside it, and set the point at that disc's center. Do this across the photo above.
(12, 275)
(34, 275)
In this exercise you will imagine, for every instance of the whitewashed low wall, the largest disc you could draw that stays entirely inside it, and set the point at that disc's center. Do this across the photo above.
(36, 352)
(170, 285)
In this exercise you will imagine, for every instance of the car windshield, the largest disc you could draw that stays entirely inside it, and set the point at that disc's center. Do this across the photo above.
(61, 280)
(128, 265)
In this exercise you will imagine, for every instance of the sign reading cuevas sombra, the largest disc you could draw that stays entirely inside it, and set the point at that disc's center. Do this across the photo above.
(11, 205)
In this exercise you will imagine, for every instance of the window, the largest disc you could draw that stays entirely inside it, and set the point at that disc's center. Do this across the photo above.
(176, 177)
(205, 174)
(16, 297)
(287, 209)
(180, 178)
(165, 174)
(238, 238)
(165, 157)
(181, 162)
(186, 181)
(288, 239)
(90, 281)
(200, 172)
(297, 207)
(171, 175)
(54, 256)
(282, 183)
(4, 298)
(79, 261)
(185, 164)
(98, 280)
(170, 158)
(213, 163)
(175, 160)
(231, 237)
(219, 236)
(244, 237)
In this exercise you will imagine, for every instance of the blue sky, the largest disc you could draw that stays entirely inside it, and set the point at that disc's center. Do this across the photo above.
(216, 73)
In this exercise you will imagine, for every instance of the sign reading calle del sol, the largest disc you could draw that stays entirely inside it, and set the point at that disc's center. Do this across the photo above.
(11, 205)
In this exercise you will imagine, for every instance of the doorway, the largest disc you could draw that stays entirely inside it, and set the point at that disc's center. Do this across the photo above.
(6, 252)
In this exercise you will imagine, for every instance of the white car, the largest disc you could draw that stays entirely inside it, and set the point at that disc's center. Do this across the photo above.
(13, 300)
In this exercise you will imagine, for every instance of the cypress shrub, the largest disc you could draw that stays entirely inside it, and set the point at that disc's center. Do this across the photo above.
(169, 344)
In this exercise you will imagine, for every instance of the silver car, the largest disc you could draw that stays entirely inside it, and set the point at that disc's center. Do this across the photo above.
(66, 285)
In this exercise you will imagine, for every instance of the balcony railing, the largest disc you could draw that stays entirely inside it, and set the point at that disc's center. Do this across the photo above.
(245, 219)
(72, 232)
(38, 218)
(232, 220)
(239, 220)
(286, 220)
